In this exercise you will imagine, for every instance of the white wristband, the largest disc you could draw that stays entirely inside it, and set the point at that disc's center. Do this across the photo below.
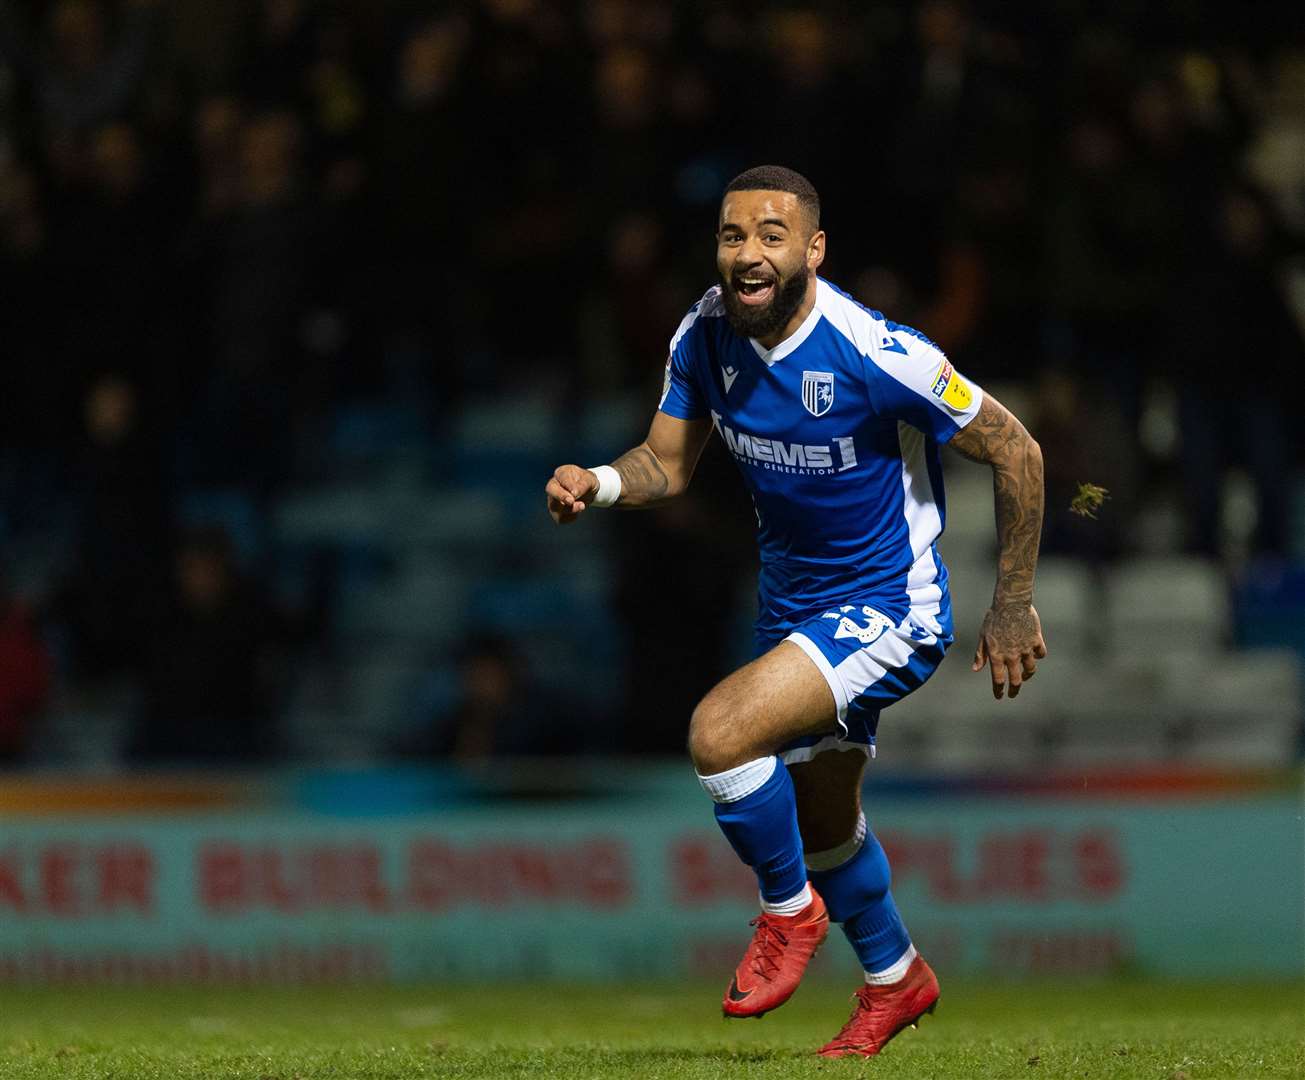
(609, 486)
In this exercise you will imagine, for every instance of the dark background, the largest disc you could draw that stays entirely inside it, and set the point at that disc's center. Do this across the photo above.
(300, 303)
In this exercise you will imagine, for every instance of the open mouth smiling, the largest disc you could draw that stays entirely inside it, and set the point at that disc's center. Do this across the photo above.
(754, 289)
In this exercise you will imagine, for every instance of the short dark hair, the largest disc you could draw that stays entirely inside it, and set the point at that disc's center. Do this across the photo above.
(778, 178)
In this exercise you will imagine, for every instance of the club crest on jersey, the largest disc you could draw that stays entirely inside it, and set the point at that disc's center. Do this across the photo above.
(818, 392)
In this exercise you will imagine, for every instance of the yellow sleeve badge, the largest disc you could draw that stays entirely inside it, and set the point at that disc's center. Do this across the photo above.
(951, 389)
(957, 394)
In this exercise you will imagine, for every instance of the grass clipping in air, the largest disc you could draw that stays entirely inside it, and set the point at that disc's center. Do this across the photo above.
(1087, 501)
(1043, 1030)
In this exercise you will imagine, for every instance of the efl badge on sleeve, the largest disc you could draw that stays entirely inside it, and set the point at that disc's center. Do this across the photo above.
(818, 392)
(957, 394)
(941, 379)
(951, 389)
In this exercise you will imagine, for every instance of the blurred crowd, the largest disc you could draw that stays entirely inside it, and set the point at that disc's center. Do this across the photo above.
(219, 223)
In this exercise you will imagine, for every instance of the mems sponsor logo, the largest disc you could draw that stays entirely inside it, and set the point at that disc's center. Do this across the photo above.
(802, 459)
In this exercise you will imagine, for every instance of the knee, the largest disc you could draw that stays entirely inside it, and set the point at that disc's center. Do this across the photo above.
(718, 737)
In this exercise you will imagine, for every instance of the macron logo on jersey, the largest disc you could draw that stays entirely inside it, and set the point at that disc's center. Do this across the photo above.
(729, 374)
(802, 459)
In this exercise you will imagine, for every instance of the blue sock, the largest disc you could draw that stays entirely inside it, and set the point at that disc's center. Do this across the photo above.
(761, 824)
(856, 894)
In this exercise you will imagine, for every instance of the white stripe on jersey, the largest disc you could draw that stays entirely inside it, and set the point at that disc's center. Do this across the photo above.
(869, 335)
(923, 522)
(710, 306)
(848, 318)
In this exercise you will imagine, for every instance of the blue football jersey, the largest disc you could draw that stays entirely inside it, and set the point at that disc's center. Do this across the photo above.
(836, 432)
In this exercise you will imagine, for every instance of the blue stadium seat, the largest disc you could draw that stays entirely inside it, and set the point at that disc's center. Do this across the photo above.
(1270, 606)
(506, 444)
(363, 433)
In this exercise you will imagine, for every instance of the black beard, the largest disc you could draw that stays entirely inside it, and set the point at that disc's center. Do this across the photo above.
(764, 321)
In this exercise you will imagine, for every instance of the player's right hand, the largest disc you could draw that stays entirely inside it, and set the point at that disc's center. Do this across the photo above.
(569, 492)
(1011, 644)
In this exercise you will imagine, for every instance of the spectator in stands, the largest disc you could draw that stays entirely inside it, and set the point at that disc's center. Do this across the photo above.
(31, 390)
(421, 205)
(1236, 346)
(110, 242)
(1102, 452)
(422, 146)
(218, 121)
(25, 676)
(625, 319)
(278, 51)
(501, 711)
(1100, 285)
(702, 543)
(83, 72)
(121, 534)
(258, 256)
(209, 673)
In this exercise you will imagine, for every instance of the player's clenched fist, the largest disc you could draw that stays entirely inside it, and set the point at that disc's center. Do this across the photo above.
(569, 491)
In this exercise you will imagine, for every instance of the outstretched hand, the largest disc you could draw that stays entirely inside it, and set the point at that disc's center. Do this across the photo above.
(569, 491)
(1010, 643)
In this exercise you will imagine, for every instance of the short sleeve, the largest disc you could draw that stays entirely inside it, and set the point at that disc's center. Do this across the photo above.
(913, 381)
(681, 395)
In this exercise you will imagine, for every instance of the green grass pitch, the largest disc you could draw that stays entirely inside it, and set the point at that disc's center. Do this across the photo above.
(1157, 1031)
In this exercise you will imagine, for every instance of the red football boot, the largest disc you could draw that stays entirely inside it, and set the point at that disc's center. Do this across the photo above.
(773, 965)
(882, 1011)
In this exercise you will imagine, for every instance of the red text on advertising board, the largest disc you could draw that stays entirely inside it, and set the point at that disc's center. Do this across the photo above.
(1029, 865)
(430, 874)
(68, 879)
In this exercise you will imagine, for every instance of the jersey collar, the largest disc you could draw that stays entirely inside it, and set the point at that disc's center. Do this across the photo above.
(775, 355)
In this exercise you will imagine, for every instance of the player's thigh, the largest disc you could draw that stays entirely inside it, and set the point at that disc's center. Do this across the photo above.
(779, 696)
(828, 791)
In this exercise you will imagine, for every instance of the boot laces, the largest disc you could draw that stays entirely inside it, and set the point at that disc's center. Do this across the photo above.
(863, 1022)
(768, 946)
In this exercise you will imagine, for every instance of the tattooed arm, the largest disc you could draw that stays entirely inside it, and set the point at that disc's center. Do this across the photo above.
(659, 468)
(1010, 640)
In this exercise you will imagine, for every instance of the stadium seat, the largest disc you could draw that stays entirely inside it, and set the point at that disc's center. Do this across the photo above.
(971, 576)
(458, 517)
(610, 426)
(1067, 600)
(1243, 707)
(422, 602)
(501, 443)
(1271, 605)
(1169, 604)
(365, 434)
(1064, 595)
(333, 513)
(969, 505)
